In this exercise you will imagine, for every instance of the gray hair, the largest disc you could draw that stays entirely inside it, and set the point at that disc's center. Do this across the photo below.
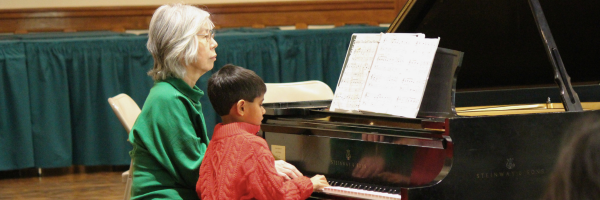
(172, 41)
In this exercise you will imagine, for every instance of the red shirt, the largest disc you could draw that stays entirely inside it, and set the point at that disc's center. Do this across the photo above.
(239, 165)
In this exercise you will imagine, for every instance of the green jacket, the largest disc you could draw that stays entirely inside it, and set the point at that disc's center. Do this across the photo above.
(169, 141)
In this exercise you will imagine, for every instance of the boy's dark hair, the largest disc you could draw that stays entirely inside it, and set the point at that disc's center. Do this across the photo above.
(231, 84)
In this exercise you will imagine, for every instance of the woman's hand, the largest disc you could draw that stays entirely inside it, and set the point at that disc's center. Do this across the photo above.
(287, 170)
(319, 182)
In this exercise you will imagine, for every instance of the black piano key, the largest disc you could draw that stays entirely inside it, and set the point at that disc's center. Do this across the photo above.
(359, 186)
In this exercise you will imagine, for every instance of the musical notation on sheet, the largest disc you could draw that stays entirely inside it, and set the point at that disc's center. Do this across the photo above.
(359, 60)
(358, 63)
(398, 75)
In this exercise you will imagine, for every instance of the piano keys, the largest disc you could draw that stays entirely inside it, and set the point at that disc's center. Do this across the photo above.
(355, 191)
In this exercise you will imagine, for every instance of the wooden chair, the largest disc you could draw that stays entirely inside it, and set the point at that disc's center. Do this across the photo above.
(127, 111)
(297, 91)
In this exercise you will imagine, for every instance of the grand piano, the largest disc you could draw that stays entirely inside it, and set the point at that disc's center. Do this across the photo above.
(492, 118)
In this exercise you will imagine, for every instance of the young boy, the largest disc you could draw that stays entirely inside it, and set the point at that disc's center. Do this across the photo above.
(238, 163)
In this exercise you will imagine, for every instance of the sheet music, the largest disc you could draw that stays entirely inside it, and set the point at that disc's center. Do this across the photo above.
(356, 69)
(359, 59)
(398, 76)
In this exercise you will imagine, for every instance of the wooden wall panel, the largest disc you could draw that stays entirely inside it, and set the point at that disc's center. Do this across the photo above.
(224, 15)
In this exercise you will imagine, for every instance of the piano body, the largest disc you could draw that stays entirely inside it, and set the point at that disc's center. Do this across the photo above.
(497, 138)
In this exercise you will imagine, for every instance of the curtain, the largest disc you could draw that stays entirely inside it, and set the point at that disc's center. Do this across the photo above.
(16, 142)
(71, 79)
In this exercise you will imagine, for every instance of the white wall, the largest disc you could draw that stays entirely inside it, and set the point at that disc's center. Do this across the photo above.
(13, 4)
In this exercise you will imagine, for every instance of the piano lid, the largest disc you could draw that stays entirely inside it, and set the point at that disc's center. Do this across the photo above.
(501, 42)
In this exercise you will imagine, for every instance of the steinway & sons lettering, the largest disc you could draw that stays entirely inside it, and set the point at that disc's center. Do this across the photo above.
(345, 163)
(531, 172)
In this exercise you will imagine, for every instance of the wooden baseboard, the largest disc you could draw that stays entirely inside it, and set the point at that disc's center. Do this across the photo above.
(77, 169)
(224, 15)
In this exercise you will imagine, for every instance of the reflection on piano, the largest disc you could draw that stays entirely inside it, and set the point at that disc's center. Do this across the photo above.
(497, 144)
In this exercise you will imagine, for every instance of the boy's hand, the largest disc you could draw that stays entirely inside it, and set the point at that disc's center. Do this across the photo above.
(287, 170)
(319, 182)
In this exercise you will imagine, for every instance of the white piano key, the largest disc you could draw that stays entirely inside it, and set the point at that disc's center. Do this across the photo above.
(358, 193)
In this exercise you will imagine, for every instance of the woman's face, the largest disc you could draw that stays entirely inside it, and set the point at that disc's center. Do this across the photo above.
(206, 51)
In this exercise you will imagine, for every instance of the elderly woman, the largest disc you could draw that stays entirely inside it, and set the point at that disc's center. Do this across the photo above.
(169, 137)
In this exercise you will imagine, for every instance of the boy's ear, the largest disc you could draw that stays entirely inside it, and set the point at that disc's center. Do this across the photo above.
(240, 107)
